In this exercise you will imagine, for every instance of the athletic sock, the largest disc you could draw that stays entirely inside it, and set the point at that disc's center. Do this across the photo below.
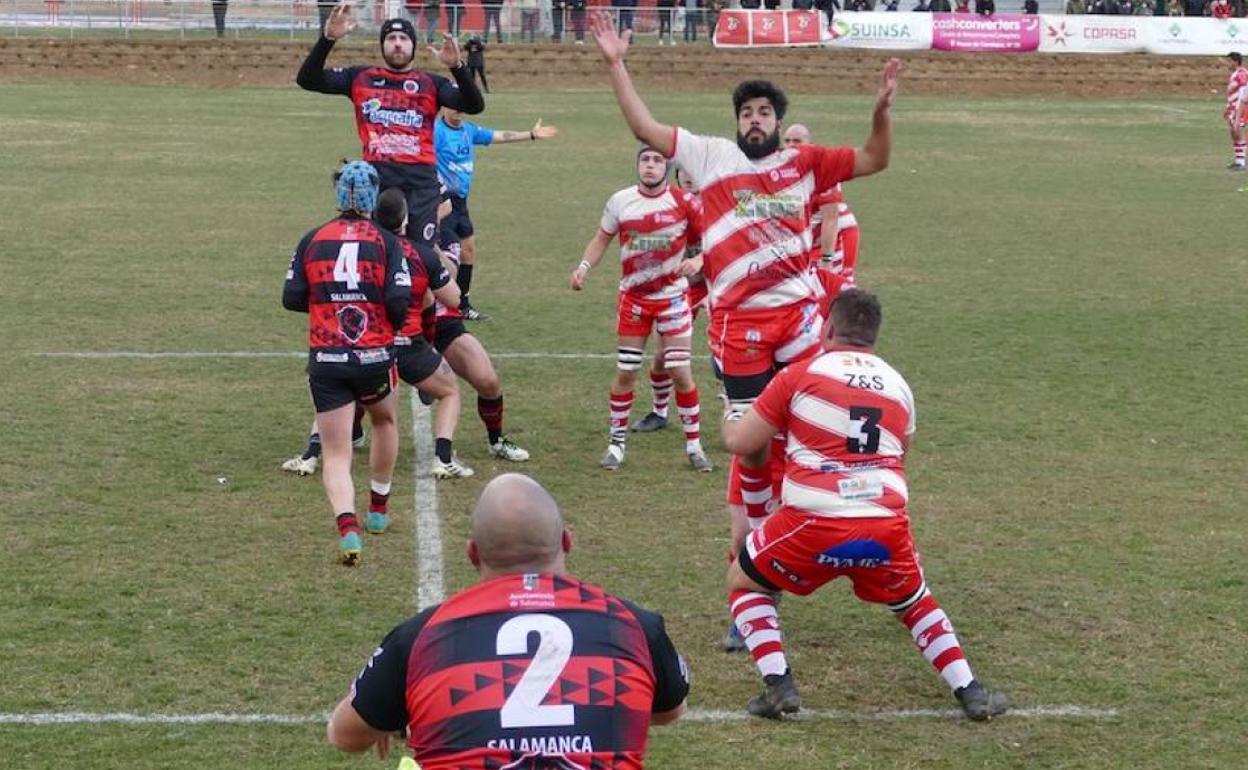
(621, 405)
(755, 493)
(661, 389)
(347, 523)
(933, 634)
(688, 408)
(442, 448)
(491, 413)
(314, 447)
(1240, 153)
(755, 617)
(463, 277)
(379, 496)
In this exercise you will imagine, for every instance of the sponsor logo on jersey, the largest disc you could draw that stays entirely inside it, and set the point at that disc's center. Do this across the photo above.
(331, 358)
(752, 205)
(855, 553)
(639, 242)
(373, 112)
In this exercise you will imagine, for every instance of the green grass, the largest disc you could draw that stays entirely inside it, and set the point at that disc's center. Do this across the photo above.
(1063, 285)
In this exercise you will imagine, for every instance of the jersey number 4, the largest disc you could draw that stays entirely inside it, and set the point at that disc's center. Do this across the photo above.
(523, 707)
(347, 267)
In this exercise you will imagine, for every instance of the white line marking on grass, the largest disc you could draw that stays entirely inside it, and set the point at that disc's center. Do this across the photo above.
(430, 588)
(276, 354)
(697, 715)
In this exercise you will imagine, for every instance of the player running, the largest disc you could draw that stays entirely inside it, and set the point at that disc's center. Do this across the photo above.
(395, 107)
(653, 221)
(756, 202)
(1236, 112)
(834, 233)
(456, 141)
(351, 279)
(849, 417)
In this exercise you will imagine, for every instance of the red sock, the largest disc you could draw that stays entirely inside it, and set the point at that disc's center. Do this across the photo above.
(688, 407)
(378, 496)
(347, 523)
(755, 493)
(933, 634)
(491, 412)
(621, 405)
(756, 619)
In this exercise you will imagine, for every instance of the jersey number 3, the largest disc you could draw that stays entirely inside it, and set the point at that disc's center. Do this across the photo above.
(554, 648)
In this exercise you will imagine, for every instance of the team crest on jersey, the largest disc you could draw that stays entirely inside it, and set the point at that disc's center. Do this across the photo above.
(410, 86)
(536, 761)
(352, 322)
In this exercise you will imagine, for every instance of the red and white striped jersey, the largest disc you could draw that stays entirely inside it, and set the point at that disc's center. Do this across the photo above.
(654, 229)
(756, 217)
(845, 219)
(1237, 89)
(849, 417)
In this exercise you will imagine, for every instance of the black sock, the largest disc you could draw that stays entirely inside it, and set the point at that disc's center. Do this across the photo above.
(442, 448)
(464, 279)
(314, 446)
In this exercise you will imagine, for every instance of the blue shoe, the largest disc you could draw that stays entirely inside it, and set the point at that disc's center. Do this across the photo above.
(733, 641)
(349, 547)
(376, 522)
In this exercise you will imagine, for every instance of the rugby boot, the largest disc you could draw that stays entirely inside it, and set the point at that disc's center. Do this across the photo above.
(650, 423)
(452, 470)
(376, 522)
(302, 466)
(733, 641)
(505, 449)
(349, 547)
(779, 697)
(700, 462)
(980, 704)
(613, 458)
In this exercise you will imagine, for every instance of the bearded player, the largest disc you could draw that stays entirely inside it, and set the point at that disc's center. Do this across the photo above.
(653, 222)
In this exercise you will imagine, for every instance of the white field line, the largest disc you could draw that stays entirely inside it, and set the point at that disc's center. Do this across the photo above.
(430, 584)
(139, 354)
(712, 716)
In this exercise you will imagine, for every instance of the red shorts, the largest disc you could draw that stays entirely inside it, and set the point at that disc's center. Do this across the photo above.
(798, 553)
(636, 317)
(750, 342)
(696, 296)
(1239, 120)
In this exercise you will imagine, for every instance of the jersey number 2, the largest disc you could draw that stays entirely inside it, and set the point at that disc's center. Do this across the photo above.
(347, 268)
(554, 648)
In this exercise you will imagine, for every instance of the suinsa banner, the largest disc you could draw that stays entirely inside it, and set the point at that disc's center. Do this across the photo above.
(999, 33)
(1002, 32)
(1093, 33)
(895, 31)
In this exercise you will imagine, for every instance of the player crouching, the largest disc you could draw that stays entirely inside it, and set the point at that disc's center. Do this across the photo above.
(654, 221)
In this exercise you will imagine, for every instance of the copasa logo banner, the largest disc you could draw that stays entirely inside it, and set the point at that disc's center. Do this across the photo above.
(1093, 34)
(1000, 33)
(895, 31)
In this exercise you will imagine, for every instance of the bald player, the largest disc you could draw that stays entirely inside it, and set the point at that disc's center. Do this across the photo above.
(529, 665)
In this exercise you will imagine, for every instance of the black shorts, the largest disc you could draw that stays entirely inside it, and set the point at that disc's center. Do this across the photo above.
(447, 331)
(422, 191)
(417, 360)
(338, 379)
(458, 224)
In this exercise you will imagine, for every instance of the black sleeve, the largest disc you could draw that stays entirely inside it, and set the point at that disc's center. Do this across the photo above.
(439, 276)
(295, 290)
(398, 288)
(379, 694)
(462, 95)
(314, 77)
(671, 674)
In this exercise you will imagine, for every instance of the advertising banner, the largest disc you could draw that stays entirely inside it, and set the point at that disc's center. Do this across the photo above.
(1196, 36)
(769, 29)
(894, 31)
(1094, 34)
(1001, 33)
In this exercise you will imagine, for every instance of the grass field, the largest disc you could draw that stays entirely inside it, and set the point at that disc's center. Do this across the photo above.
(1063, 286)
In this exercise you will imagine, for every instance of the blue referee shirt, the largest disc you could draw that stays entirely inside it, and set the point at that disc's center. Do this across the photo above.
(456, 148)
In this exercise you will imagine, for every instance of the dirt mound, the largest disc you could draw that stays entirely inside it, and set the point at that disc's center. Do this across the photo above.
(687, 68)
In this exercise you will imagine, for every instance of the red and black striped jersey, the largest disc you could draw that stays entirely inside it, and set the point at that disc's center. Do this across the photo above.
(352, 280)
(428, 273)
(524, 671)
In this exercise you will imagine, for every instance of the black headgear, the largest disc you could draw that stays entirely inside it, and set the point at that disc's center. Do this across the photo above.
(398, 25)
